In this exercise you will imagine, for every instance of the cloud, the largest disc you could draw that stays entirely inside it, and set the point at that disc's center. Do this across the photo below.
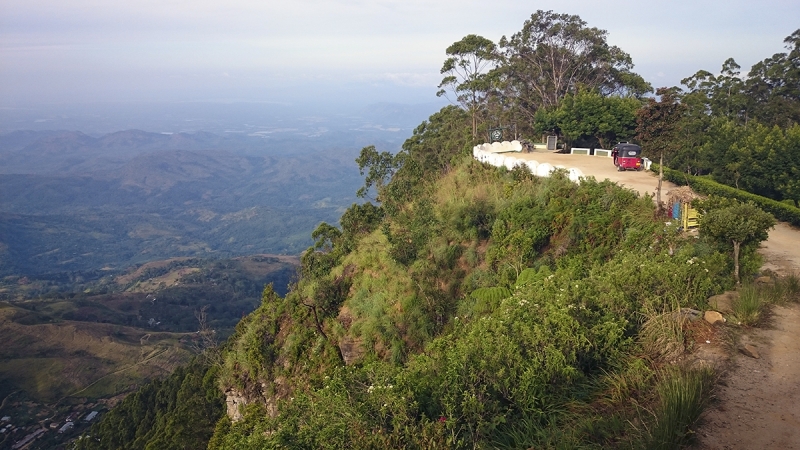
(139, 46)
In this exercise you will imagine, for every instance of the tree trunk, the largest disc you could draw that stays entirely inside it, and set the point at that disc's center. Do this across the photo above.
(660, 178)
(736, 261)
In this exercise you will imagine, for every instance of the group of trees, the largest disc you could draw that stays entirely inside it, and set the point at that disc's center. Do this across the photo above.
(559, 76)
(552, 57)
(179, 412)
(742, 131)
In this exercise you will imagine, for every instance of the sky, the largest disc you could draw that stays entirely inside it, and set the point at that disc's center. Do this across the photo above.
(345, 51)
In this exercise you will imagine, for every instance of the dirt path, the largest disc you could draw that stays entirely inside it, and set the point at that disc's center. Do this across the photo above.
(757, 402)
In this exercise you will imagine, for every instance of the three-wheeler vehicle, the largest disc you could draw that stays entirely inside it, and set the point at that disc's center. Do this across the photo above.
(627, 156)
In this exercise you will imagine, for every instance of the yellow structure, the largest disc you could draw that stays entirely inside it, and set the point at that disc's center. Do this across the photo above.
(681, 201)
(689, 216)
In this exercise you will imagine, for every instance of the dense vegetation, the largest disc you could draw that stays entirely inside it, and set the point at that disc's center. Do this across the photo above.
(178, 412)
(473, 308)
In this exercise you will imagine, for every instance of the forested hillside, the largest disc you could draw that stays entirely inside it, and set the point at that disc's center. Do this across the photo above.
(468, 306)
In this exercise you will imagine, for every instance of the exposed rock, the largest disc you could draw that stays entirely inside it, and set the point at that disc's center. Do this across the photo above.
(713, 317)
(749, 350)
(352, 350)
(723, 302)
(765, 280)
(234, 401)
(690, 314)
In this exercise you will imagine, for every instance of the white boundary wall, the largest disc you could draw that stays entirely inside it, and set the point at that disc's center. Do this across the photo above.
(488, 153)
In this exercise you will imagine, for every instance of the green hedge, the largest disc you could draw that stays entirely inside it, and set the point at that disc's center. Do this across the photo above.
(703, 185)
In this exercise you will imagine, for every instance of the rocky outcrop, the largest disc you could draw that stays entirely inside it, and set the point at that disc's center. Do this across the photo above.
(235, 402)
(352, 350)
(267, 396)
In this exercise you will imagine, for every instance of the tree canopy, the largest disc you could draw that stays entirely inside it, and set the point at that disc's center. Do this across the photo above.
(587, 114)
(740, 131)
(466, 73)
(737, 224)
(555, 54)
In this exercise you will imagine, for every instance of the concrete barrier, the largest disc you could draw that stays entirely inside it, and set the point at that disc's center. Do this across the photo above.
(543, 170)
(575, 175)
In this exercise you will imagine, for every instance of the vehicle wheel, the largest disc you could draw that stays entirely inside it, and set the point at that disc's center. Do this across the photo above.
(620, 169)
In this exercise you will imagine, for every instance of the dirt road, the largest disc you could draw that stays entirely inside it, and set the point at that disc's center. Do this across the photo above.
(757, 402)
(601, 168)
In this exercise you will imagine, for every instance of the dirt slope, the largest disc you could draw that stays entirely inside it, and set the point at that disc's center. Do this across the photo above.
(757, 404)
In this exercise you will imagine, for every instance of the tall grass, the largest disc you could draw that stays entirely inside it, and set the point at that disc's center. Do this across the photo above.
(748, 305)
(791, 287)
(662, 336)
(682, 396)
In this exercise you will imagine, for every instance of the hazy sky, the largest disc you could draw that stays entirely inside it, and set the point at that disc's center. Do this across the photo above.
(61, 51)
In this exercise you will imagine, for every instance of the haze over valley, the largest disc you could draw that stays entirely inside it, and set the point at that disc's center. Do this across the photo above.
(74, 201)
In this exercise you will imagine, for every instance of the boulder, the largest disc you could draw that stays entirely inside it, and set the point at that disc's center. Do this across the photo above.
(713, 317)
(544, 169)
(234, 402)
(723, 302)
(749, 350)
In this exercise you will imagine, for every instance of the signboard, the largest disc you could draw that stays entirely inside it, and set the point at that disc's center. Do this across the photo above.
(496, 135)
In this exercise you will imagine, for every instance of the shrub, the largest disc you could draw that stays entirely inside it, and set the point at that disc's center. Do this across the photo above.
(662, 336)
(483, 300)
(682, 396)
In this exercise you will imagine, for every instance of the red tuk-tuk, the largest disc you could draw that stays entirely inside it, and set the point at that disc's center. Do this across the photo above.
(627, 156)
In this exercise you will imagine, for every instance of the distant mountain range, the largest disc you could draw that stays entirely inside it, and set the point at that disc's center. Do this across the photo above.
(73, 202)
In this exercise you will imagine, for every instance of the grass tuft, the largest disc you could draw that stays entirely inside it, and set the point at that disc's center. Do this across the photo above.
(662, 336)
(682, 396)
(791, 287)
(748, 305)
